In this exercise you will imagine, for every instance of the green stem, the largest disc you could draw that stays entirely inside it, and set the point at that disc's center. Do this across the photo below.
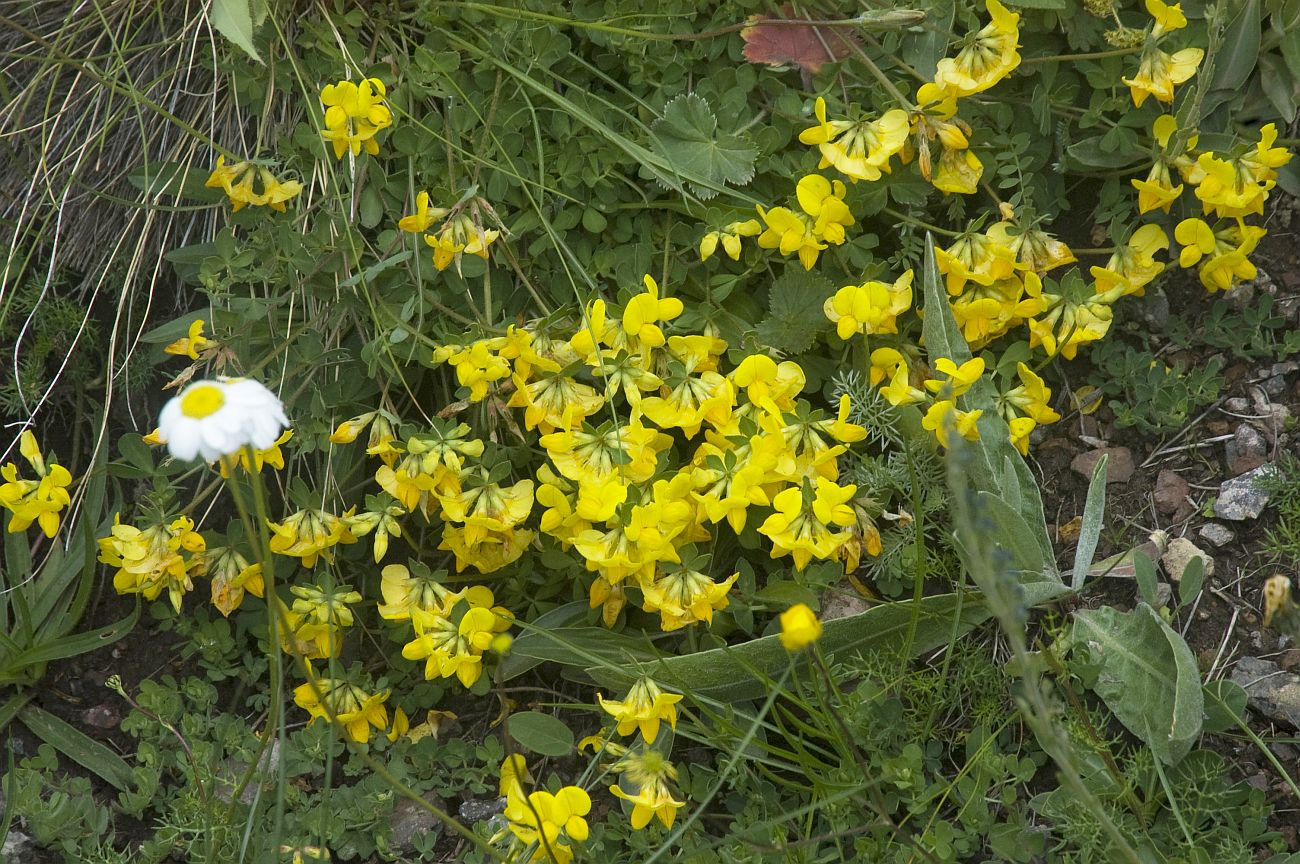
(1090, 55)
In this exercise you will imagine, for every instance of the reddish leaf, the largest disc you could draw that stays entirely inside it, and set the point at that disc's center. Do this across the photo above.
(800, 42)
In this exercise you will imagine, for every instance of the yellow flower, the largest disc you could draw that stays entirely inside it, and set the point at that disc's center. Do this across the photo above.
(382, 522)
(823, 200)
(1034, 249)
(770, 385)
(192, 343)
(477, 367)
(272, 456)
(683, 596)
(975, 258)
(423, 217)
(1158, 73)
(1132, 266)
(859, 149)
(799, 628)
(689, 400)
(403, 592)
(455, 647)
(309, 534)
(986, 56)
(869, 308)
(1066, 325)
(354, 113)
(154, 560)
(790, 232)
(960, 378)
(232, 576)
(959, 172)
(549, 820)
(40, 500)
(1030, 399)
(355, 709)
(1222, 253)
(801, 525)
(729, 236)
(553, 401)
(648, 773)
(645, 707)
(644, 312)
(1168, 17)
(943, 413)
(1239, 186)
(1018, 432)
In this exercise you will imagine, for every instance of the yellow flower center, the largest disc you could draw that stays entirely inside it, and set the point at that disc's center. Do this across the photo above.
(202, 401)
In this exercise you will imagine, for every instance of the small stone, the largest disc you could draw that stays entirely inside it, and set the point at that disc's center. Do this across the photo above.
(1119, 468)
(410, 820)
(1289, 659)
(1219, 535)
(1180, 553)
(841, 601)
(1241, 498)
(17, 846)
(1285, 367)
(1155, 310)
(1246, 451)
(480, 809)
(1274, 385)
(1170, 492)
(101, 717)
(1237, 404)
(1164, 594)
(232, 772)
(1273, 692)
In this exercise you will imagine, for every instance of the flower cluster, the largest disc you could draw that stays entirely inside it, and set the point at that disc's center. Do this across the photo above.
(820, 220)
(237, 181)
(162, 557)
(610, 486)
(344, 702)
(354, 114)
(545, 822)
(453, 629)
(41, 500)
(461, 230)
(1158, 71)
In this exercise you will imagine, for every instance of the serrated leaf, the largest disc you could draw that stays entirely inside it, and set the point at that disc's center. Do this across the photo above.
(541, 733)
(234, 20)
(795, 318)
(1148, 676)
(688, 139)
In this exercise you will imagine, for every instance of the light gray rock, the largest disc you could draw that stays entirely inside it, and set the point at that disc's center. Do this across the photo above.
(480, 809)
(1219, 535)
(410, 820)
(1246, 450)
(1272, 691)
(18, 847)
(1241, 498)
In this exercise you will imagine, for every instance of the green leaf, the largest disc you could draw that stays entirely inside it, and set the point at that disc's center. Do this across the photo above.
(554, 638)
(1237, 55)
(1192, 579)
(687, 138)
(1092, 153)
(745, 671)
(1225, 705)
(77, 746)
(795, 318)
(81, 643)
(1144, 571)
(1148, 676)
(234, 20)
(541, 733)
(1090, 532)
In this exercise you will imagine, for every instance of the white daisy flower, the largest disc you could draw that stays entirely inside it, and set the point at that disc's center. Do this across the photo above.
(211, 419)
